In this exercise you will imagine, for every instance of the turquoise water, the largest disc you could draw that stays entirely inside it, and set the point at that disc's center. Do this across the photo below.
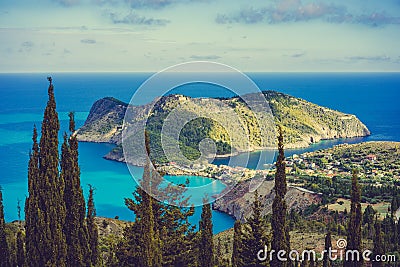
(372, 97)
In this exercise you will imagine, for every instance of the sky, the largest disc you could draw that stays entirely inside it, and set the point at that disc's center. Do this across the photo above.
(150, 35)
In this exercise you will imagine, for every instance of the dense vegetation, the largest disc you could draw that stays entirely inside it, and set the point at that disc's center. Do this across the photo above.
(328, 171)
(56, 231)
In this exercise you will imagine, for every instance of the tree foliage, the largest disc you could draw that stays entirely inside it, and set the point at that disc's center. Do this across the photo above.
(354, 225)
(280, 229)
(75, 229)
(255, 238)
(94, 256)
(45, 207)
(161, 233)
(206, 245)
(237, 253)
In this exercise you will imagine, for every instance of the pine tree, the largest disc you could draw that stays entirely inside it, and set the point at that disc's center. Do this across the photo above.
(20, 249)
(206, 255)
(4, 250)
(74, 228)
(142, 242)
(45, 208)
(378, 244)
(172, 239)
(256, 237)
(354, 225)
(93, 249)
(280, 231)
(327, 261)
(237, 253)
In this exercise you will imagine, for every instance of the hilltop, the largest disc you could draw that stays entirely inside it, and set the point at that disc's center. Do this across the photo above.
(304, 123)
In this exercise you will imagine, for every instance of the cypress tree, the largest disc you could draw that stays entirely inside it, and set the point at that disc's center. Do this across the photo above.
(206, 257)
(20, 250)
(327, 261)
(256, 237)
(237, 253)
(280, 229)
(93, 250)
(354, 225)
(4, 250)
(378, 244)
(394, 206)
(52, 186)
(34, 223)
(45, 208)
(218, 255)
(149, 238)
(74, 228)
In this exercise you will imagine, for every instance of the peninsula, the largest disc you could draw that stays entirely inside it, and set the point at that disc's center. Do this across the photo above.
(304, 123)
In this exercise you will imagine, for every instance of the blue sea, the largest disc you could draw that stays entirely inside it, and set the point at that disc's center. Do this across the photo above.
(373, 97)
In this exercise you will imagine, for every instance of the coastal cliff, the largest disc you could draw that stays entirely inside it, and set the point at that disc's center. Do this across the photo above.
(222, 120)
(104, 122)
(238, 201)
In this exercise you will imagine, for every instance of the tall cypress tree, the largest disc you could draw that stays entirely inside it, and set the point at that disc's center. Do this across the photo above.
(74, 228)
(20, 249)
(237, 253)
(378, 244)
(394, 206)
(256, 237)
(354, 225)
(93, 240)
(327, 261)
(51, 200)
(150, 242)
(45, 208)
(206, 255)
(280, 229)
(4, 250)
(34, 221)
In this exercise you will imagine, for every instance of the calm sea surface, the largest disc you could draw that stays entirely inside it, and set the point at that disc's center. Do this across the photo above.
(373, 97)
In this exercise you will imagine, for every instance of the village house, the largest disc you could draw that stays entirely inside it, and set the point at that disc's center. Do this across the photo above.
(371, 157)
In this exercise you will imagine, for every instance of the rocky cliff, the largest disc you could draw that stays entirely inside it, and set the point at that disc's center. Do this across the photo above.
(238, 202)
(104, 122)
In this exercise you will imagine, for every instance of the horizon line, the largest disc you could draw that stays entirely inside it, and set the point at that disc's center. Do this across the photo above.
(148, 72)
